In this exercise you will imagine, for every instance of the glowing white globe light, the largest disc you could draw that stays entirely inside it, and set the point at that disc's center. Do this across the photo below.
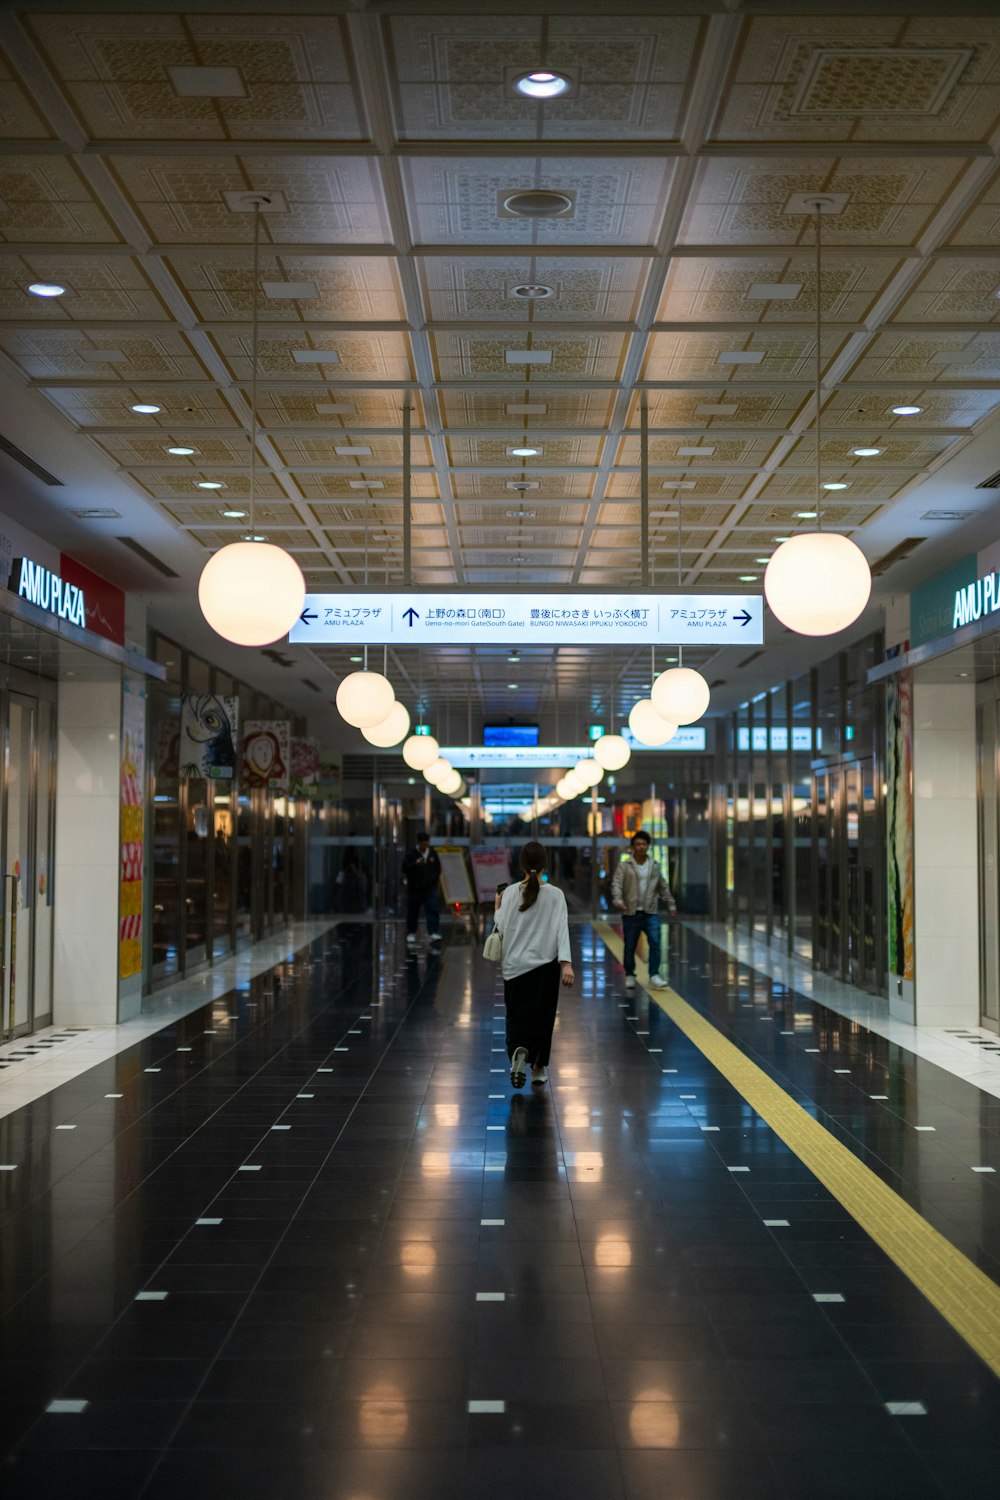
(680, 695)
(420, 751)
(451, 785)
(393, 728)
(589, 771)
(818, 582)
(365, 698)
(563, 789)
(575, 782)
(439, 770)
(612, 752)
(252, 593)
(649, 727)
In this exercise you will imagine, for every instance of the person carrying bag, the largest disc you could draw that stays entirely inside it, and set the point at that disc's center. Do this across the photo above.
(532, 935)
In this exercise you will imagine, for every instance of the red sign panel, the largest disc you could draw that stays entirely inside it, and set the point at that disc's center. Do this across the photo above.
(105, 605)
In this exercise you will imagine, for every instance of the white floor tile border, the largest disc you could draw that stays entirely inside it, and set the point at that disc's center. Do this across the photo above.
(40, 1074)
(955, 1055)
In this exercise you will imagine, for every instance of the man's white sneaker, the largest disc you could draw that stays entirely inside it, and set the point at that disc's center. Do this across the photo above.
(657, 982)
(630, 981)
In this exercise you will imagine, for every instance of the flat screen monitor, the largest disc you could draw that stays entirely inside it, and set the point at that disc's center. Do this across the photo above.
(510, 734)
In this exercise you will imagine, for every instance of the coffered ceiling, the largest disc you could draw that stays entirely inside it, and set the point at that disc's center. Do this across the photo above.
(680, 275)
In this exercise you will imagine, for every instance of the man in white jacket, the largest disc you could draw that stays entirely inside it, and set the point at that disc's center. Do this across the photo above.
(636, 889)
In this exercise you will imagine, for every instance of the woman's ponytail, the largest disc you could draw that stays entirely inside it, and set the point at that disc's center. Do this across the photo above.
(532, 864)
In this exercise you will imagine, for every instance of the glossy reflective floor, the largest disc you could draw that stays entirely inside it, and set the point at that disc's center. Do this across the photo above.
(306, 1242)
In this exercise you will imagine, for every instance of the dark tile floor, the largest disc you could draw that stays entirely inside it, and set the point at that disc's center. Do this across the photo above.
(328, 1253)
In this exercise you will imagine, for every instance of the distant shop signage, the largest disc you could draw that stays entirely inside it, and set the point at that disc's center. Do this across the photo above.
(975, 601)
(104, 603)
(29, 580)
(802, 738)
(474, 619)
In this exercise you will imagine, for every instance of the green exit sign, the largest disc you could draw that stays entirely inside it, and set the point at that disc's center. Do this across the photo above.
(594, 731)
(422, 729)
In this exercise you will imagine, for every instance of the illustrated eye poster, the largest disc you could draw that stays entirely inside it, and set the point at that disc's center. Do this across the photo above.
(267, 753)
(209, 736)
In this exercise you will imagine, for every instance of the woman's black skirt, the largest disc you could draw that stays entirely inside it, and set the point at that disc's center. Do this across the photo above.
(531, 1000)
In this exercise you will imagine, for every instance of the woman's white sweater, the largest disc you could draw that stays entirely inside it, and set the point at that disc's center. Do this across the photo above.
(533, 937)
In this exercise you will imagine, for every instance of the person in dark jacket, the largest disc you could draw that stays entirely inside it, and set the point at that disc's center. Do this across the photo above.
(422, 872)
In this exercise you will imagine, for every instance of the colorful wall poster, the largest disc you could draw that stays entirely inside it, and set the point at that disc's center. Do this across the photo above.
(132, 834)
(267, 753)
(209, 736)
(305, 771)
(490, 868)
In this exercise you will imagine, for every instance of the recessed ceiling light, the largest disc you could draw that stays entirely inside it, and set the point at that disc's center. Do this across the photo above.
(762, 559)
(207, 83)
(357, 658)
(315, 357)
(541, 84)
(740, 357)
(46, 289)
(784, 538)
(182, 452)
(366, 484)
(748, 578)
(677, 484)
(528, 356)
(524, 452)
(334, 409)
(519, 515)
(774, 291)
(254, 537)
(801, 515)
(907, 411)
(695, 452)
(512, 686)
(866, 452)
(835, 484)
(234, 515)
(526, 408)
(210, 484)
(291, 291)
(146, 408)
(352, 450)
(716, 409)
(513, 656)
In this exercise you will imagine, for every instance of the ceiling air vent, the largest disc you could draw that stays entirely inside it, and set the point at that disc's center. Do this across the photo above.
(20, 457)
(276, 657)
(140, 551)
(903, 549)
(748, 659)
(993, 483)
(719, 682)
(307, 682)
(946, 515)
(535, 203)
(97, 513)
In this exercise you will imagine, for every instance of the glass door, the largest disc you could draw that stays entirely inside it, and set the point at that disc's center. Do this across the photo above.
(26, 862)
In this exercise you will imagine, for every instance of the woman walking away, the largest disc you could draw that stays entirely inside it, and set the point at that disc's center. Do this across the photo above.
(532, 921)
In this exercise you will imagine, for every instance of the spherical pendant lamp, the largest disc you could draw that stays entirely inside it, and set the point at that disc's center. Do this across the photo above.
(393, 728)
(612, 752)
(818, 582)
(439, 770)
(420, 751)
(649, 727)
(365, 698)
(680, 695)
(451, 786)
(589, 771)
(576, 782)
(251, 593)
(563, 789)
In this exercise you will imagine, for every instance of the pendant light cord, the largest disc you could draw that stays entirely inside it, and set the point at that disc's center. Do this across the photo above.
(680, 648)
(819, 366)
(254, 313)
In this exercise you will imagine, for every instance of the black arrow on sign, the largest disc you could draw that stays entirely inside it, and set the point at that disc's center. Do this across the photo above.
(743, 618)
(307, 615)
(410, 615)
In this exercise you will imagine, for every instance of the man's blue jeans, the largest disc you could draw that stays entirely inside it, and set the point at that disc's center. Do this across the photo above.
(649, 923)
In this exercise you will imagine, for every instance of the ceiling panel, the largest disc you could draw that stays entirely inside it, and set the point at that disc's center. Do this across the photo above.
(564, 409)
(595, 288)
(219, 286)
(731, 289)
(453, 202)
(582, 356)
(46, 199)
(292, 68)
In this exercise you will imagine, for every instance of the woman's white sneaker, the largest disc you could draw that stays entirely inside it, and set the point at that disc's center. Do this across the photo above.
(518, 1063)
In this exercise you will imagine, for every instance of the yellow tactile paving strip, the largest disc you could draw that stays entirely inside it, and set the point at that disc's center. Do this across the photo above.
(948, 1279)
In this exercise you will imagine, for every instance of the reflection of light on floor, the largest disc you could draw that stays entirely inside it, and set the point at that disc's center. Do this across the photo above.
(570, 1072)
(613, 1253)
(383, 1418)
(447, 1116)
(419, 1258)
(576, 1117)
(654, 1421)
(588, 1166)
(435, 1164)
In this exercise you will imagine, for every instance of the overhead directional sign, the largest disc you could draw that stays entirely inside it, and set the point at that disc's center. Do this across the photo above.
(409, 617)
(497, 757)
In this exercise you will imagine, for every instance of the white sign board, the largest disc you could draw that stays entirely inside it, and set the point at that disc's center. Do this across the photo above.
(417, 618)
(504, 757)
